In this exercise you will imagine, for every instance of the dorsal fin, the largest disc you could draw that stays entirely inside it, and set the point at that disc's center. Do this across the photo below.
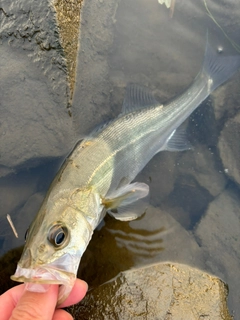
(137, 97)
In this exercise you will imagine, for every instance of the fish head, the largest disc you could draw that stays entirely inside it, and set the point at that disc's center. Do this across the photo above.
(54, 247)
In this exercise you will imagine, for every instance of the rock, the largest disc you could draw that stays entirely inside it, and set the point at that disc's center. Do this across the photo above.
(229, 148)
(190, 197)
(218, 236)
(160, 175)
(14, 192)
(226, 103)
(161, 291)
(204, 165)
(68, 18)
(91, 101)
(203, 128)
(33, 85)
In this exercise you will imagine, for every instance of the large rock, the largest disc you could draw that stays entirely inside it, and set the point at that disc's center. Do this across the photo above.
(218, 236)
(160, 174)
(161, 291)
(225, 101)
(33, 85)
(229, 147)
(203, 164)
(188, 201)
(93, 88)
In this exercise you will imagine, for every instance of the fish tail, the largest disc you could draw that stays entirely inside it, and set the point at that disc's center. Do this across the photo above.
(218, 68)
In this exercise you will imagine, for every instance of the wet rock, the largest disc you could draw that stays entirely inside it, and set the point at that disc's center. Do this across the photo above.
(218, 235)
(160, 175)
(31, 28)
(190, 197)
(229, 148)
(161, 291)
(13, 193)
(203, 128)
(204, 165)
(33, 85)
(91, 101)
(68, 18)
(226, 104)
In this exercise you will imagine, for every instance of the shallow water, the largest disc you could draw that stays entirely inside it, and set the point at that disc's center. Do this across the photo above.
(194, 215)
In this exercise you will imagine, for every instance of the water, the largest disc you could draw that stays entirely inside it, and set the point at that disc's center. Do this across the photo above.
(194, 212)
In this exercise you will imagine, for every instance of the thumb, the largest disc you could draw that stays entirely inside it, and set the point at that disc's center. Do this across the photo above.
(36, 305)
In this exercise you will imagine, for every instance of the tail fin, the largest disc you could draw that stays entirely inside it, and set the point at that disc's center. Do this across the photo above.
(219, 68)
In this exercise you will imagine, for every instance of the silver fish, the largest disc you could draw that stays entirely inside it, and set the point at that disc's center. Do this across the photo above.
(96, 177)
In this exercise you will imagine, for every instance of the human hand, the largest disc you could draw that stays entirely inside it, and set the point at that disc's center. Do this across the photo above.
(19, 304)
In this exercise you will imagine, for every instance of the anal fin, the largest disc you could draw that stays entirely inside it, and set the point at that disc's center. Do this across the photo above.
(178, 141)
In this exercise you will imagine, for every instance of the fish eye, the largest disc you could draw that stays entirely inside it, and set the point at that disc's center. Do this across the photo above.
(58, 235)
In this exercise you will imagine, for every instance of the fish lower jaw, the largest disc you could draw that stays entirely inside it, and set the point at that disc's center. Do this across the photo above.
(43, 275)
(39, 279)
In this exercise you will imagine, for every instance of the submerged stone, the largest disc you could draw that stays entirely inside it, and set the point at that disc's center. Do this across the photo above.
(229, 148)
(204, 166)
(218, 235)
(161, 291)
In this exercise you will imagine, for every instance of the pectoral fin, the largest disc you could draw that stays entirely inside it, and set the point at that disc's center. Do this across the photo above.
(123, 203)
(129, 212)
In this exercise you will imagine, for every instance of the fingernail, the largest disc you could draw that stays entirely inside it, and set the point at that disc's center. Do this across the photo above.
(37, 287)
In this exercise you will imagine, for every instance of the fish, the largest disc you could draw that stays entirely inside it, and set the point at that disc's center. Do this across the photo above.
(97, 177)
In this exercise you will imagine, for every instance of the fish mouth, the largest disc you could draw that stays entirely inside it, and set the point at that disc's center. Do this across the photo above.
(62, 271)
(38, 280)
(43, 275)
(59, 271)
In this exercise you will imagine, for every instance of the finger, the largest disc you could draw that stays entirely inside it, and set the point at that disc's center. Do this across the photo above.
(60, 314)
(78, 292)
(9, 301)
(35, 305)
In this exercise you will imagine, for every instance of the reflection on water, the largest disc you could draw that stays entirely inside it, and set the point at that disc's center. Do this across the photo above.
(143, 243)
(154, 237)
(140, 242)
(193, 215)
